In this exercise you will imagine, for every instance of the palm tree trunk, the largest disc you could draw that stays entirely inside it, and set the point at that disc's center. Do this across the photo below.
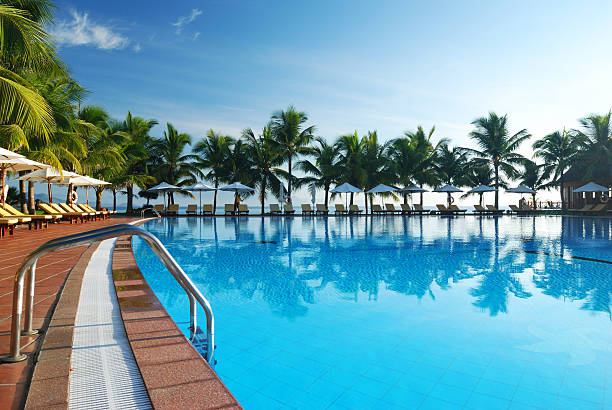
(31, 203)
(326, 195)
(99, 198)
(365, 197)
(405, 198)
(22, 194)
(262, 196)
(533, 197)
(352, 198)
(214, 210)
(421, 195)
(130, 192)
(496, 166)
(290, 178)
(114, 199)
(561, 188)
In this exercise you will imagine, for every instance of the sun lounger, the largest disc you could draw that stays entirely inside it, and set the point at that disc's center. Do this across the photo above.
(91, 214)
(230, 209)
(7, 225)
(322, 209)
(66, 208)
(207, 209)
(340, 210)
(159, 208)
(39, 221)
(83, 216)
(494, 210)
(101, 214)
(289, 209)
(192, 209)
(390, 209)
(405, 209)
(598, 209)
(307, 209)
(243, 209)
(172, 209)
(21, 220)
(275, 209)
(585, 208)
(455, 209)
(354, 210)
(481, 210)
(418, 209)
(71, 216)
(377, 210)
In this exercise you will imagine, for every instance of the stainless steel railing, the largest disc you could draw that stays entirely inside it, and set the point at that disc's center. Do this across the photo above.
(151, 209)
(87, 238)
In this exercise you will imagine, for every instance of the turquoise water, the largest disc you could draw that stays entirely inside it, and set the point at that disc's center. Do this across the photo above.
(400, 312)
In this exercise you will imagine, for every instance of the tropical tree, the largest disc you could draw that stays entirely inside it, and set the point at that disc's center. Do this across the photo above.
(350, 159)
(497, 146)
(264, 158)
(239, 167)
(213, 151)
(176, 167)
(376, 166)
(291, 137)
(451, 165)
(559, 150)
(596, 144)
(322, 169)
(534, 176)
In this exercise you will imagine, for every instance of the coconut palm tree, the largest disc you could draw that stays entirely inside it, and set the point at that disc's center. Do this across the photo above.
(239, 167)
(559, 150)
(376, 166)
(535, 176)
(213, 151)
(596, 142)
(264, 158)
(324, 171)
(451, 165)
(291, 137)
(497, 146)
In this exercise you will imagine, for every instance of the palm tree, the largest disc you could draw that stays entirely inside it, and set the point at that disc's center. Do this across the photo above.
(376, 166)
(324, 171)
(239, 167)
(176, 167)
(264, 158)
(497, 146)
(213, 151)
(559, 150)
(534, 176)
(290, 136)
(451, 165)
(596, 144)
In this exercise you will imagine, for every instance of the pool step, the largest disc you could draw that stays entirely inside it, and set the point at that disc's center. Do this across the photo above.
(200, 342)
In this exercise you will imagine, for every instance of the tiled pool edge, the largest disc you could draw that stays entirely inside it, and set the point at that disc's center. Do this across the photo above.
(172, 370)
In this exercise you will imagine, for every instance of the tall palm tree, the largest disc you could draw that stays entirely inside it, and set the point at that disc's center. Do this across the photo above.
(376, 165)
(176, 168)
(534, 176)
(497, 146)
(291, 137)
(213, 151)
(239, 167)
(264, 157)
(324, 171)
(596, 155)
(559, 150)
(451, 165)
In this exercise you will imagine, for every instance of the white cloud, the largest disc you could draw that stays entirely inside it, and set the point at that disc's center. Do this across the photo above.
(196, 35)
(137, 47)
(184, 20)
(82, 31)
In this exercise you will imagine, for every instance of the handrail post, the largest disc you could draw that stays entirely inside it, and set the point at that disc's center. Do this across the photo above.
(29, 308)
(15, 344)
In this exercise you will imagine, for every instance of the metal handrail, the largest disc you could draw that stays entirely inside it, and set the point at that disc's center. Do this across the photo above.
(87, 238)
(142, 212)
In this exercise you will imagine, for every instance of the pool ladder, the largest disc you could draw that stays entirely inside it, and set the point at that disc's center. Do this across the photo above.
(206, 345)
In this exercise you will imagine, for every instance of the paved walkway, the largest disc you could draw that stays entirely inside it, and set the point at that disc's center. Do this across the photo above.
(51, 274)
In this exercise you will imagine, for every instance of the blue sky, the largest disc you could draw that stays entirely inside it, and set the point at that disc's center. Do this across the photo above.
(351, 65)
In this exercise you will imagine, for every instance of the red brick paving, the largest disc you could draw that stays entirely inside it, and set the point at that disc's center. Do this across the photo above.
(51, 274)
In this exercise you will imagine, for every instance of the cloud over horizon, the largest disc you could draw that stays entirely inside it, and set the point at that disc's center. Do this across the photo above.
(81, 31)
(184, 20)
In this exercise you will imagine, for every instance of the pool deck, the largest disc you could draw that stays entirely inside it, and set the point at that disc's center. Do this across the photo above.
(172, 369)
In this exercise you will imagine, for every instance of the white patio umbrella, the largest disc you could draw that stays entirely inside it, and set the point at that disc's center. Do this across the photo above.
(521, 189)
(164, 187)
(84, 181)
(592, 187)
(49, 175)
(481, 190)
(346, 188)
(449, 189)
(413, 189)
(381, 188)
(199, 187)
(15, 164)
(236, 187)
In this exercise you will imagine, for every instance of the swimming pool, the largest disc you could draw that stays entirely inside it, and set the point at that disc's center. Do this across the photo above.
(400, 312)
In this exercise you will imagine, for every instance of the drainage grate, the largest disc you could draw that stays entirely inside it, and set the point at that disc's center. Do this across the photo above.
(105, 374)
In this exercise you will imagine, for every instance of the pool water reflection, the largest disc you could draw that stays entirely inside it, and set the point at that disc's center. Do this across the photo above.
(406, 312)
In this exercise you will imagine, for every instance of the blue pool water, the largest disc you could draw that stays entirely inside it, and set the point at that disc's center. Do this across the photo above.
(400, 312)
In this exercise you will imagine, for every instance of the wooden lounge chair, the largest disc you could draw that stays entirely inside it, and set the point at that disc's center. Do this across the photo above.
(307, 209)
(390, 209)
(83, 216)
(7, 225)
(172, 209)
(68, 208)
(377, 210)
(159, 208)
(207, 209)
(405, 209)
(443, 210)
(229, 209)
(93, 214)
(71, 216)
(243, 209)
(275, 209)
(585, 208)
(455, 209)
(598, 209)
(39, 221)
(322, 209)
(418, 209)
(481, 210)
(494, 210)
(21, 220)
(289, 209)
(192, 209)
(102, 214)
(354, 210)
(340, 209)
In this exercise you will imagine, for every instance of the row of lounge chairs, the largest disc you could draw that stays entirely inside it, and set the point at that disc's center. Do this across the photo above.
(11, 217)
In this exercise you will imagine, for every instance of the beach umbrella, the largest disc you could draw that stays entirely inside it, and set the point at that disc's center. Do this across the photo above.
(381, 188)
(199, 187)
(449, 189)
(521, 189)
(481, 190)
(164, 187)
(49, 175)
(411, 190)
(592, 187)
(11, 161)
(345, 188)
(236, 188)
(84, 181)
